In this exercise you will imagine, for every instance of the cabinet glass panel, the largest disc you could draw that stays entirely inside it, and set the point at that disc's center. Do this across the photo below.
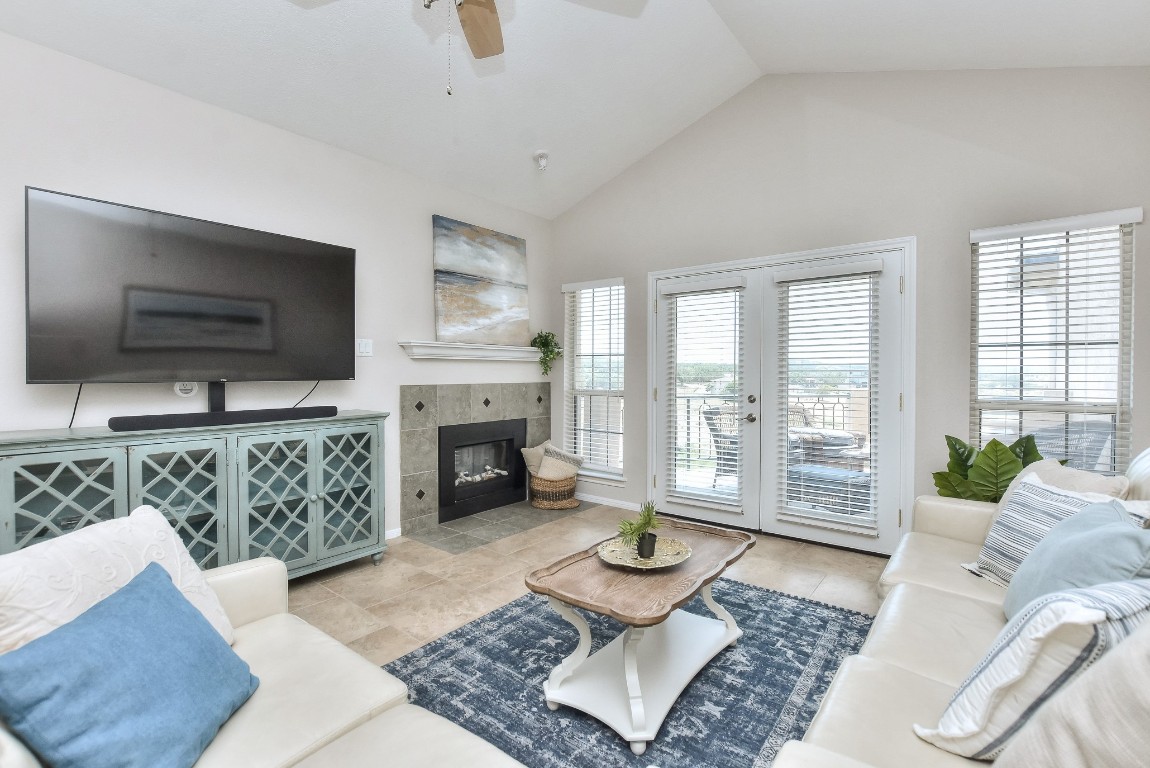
(276, 504)
(186, 481)
(348, 487)
(54, 493)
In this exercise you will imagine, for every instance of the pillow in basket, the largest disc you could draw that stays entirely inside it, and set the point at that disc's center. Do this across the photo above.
(558, 465)
(533, 457)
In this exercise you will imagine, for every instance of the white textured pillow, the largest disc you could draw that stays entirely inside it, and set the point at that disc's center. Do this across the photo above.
(1033, 509)
(556, 469)
(48, 584)
(570, 458)
(1048, 644)
(1098, 721)
(532, 457)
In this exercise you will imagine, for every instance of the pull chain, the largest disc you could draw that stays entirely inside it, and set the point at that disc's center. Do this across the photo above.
(447, 7)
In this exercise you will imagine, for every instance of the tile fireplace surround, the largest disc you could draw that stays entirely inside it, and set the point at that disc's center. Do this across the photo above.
(423, 409)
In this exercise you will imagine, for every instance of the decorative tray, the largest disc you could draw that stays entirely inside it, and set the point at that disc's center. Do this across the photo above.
(668, 552)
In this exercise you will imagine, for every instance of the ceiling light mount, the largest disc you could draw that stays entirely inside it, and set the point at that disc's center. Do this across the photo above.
(541, 159)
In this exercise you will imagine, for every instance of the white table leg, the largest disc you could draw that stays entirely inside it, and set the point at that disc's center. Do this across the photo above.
(577, 657)
(722, 613)
(633, 637)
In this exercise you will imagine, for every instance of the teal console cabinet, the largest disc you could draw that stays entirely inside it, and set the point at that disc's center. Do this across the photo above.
(307, 492)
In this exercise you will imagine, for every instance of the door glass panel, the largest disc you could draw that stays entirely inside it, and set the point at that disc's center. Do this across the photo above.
(828, 374)
(704, 382)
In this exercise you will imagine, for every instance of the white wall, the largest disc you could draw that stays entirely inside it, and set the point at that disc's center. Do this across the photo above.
(800, 162)
(74, 127)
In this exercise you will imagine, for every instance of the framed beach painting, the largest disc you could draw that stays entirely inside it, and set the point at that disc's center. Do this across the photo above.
(480, 285)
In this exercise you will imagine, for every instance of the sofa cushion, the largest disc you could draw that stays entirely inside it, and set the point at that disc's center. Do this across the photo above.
(312, 690)
(1098, 721)
(46, 585)
(408, 736)
(1033, 509)
(1095, 546)
(140, 678)
(1048, 644)
(934, 561)
(868, 713)
(935, 634)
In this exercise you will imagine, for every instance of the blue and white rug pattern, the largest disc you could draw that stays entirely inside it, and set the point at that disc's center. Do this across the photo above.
(488, 675)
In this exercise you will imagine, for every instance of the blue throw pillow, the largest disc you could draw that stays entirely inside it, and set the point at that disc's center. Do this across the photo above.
(139, 679)
(1097, 545)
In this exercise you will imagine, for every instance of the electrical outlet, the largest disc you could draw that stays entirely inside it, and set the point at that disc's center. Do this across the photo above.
(363, 348)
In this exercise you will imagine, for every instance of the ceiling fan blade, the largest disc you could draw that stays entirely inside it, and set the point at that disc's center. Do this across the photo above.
(480, 23)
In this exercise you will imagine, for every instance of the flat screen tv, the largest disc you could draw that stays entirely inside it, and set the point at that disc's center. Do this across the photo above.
(123, 294)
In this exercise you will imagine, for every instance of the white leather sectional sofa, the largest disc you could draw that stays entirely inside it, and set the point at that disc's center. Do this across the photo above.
(318, 704)
(935, 623)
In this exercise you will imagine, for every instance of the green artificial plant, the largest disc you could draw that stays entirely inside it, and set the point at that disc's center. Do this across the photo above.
(984, 475)
(549, 350)
(631, 530)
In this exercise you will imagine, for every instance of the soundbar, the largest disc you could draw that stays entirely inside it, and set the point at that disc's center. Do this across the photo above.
(218, 418)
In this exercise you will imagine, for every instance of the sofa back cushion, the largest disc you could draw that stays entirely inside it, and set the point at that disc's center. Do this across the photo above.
(139, 679)
(49, 584)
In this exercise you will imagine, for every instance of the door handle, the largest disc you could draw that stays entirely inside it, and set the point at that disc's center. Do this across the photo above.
(751, 418)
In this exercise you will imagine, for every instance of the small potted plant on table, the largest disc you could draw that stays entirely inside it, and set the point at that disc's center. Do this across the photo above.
(637, 533)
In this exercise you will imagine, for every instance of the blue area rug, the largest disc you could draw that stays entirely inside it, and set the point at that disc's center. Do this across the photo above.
(488, 675)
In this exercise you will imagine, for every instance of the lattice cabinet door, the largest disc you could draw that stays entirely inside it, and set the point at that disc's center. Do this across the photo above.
(277, 497)
(349, 489)
(45, 495)
(187, 481)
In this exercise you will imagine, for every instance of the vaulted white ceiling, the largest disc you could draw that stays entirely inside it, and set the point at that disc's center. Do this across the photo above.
(596, 83)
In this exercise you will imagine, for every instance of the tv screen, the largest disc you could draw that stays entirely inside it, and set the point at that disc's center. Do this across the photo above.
(123, 294)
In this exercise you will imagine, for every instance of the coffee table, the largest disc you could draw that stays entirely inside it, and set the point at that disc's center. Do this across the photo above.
(632, 683)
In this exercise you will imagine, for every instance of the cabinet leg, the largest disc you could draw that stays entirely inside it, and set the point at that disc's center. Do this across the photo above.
(377, 558)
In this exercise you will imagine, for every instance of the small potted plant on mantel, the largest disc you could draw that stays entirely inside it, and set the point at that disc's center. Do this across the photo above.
(637, 533)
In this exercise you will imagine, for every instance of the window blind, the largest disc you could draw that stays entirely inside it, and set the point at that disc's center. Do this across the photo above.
(1051, 356)
(593, 355)
(828, 390)
(703, 382)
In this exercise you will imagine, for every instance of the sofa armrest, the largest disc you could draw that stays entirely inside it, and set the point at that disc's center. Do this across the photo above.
(251, 590)
(959, 519)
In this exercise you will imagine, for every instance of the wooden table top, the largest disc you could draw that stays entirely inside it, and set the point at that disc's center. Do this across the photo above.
(643, 598)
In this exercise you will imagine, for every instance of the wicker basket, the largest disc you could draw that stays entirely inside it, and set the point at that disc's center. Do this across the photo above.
(552, 494)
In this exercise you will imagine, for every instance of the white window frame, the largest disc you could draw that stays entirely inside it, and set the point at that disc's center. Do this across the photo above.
(1120, 409)
(614, 471)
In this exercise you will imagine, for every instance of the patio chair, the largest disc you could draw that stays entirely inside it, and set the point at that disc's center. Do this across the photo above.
(723, 425)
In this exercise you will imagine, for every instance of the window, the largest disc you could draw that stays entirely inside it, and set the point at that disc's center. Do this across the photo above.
(1051, 324)
(593, 361)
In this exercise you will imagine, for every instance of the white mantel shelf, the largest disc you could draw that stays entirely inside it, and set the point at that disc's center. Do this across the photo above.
(446, 350)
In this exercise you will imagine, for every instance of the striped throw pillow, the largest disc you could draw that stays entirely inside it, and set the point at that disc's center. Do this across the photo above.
(1048, 644)
(1031, 511)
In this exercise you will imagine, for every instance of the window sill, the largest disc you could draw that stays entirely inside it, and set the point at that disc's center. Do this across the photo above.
(597, 477)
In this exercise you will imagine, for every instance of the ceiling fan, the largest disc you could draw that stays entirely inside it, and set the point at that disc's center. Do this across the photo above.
(480, 22)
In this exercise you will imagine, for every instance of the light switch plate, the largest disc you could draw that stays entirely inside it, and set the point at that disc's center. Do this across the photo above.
(363, 348)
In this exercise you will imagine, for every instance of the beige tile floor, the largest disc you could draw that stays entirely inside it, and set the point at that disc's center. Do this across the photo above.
(420, 592)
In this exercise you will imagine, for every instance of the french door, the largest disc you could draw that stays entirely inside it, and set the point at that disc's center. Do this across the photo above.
(778, 389)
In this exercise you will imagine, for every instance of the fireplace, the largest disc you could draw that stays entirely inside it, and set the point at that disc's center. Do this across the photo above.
(480, 467)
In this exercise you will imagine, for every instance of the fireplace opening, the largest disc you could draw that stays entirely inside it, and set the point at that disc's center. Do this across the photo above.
(480, 467)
